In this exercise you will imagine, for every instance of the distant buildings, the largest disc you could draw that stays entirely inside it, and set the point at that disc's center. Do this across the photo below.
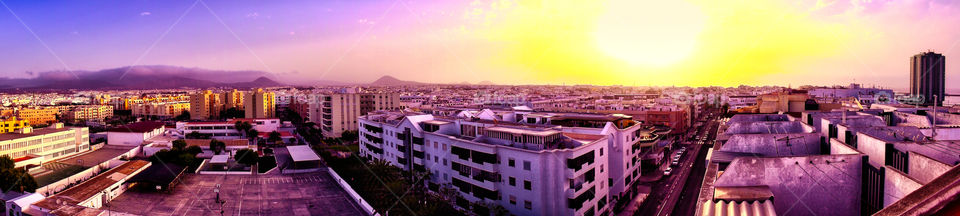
(225, 130)
(12, 124)
(233, 99)
(927, 77)
(205, 105)
(259, 104)
(336, 113)
(864, 96)
(82, 113)
(160, 109)
(38, 115)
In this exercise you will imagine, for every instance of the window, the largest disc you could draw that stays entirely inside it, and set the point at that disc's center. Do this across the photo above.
(444, 161)
(527, 204)
(513, 181)
(511, 162)
(601, 151)
(513, 200)
(437, 159)
(526, 165)
(527, 185)
(444, 147)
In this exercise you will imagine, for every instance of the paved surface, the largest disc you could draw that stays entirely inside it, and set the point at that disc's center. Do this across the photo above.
(289, 195)
(687, 203)
(92, 158)
(671, 192)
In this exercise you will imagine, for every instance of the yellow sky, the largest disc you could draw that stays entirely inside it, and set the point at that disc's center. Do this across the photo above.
(648, 42)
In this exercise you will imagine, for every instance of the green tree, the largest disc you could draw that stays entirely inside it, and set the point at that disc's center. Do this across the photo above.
(6, 162)
(179, 145)
(252, 134)
(16, 179)
(246, 156)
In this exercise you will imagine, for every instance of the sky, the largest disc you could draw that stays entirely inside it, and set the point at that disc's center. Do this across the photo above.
(604, 42)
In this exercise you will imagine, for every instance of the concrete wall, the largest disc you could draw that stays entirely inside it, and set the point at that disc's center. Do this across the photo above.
(827, 189)
(837, 147)
(873, 147)
(925, 169)
(896, 185)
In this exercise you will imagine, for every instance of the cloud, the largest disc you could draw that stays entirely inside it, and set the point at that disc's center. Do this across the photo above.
(145, 13)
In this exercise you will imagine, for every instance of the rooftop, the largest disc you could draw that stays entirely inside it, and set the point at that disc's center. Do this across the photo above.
(79, 193)
(35, 132)
(138, 127)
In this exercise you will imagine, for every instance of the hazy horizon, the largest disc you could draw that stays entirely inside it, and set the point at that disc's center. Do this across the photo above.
(616, 42)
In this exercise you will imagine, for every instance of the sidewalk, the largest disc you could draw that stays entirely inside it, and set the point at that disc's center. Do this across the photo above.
(634, 205)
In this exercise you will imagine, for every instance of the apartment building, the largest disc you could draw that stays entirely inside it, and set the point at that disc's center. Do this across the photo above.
(502, 157)
(259, 104)
(87, 113)
(233, 99)
(50, 143)
(127, 103)
(160, 109)
(38, 115)
(205, 105)
(336, 113)
(12, 124)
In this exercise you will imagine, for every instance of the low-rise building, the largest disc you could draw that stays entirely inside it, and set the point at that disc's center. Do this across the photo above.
(50, 143)
(87, 113)
(226, 129)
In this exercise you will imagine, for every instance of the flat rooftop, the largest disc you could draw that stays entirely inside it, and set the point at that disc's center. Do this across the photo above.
(35, 132)
(89, 188)
(302, 153)
(98, 156)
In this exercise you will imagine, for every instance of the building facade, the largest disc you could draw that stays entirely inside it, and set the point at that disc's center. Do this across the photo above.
(87, 113)
(927, 77)
(10, 125)
(161, 109)
(336, 113)
(205, 105)
(38, 115)
(48, 143)
(528, 168)
(259, 104)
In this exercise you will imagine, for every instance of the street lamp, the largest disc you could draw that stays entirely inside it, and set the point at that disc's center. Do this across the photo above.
(218, 201)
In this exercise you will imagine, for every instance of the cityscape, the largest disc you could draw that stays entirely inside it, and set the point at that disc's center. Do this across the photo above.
(480, 108)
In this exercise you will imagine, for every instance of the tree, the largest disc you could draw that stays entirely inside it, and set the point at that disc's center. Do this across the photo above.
(194, 150)
(184, 115)
(217, 146)
(274, 137)
(179, 145)
(246, 156)
(252, 134)
(349, 135)
(242, 126)
(16, 179)
(231, 112)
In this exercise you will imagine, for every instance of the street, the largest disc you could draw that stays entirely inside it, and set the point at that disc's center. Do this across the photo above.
(675, 194)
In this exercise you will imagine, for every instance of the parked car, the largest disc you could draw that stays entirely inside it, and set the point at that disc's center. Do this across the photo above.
(667, 171)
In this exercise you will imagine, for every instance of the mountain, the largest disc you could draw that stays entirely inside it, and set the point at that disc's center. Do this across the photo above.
(486, 82)
(142, 77)
(391, 81)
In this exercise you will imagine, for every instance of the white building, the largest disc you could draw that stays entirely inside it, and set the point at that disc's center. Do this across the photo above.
(528, 168)
(225, 129)
(134, 134)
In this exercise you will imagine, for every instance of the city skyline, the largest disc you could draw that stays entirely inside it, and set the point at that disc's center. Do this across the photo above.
(697, 43)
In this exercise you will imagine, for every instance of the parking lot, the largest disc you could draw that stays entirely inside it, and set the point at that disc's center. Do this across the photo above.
(300, 194)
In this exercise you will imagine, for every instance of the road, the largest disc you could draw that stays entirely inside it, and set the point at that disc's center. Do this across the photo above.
(676, 194)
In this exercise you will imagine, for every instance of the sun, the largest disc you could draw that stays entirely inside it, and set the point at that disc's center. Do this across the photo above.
(649, 32)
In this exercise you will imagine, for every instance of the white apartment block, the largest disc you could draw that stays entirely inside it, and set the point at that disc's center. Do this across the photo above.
(336, 113)
(35, 146)
(528, 167)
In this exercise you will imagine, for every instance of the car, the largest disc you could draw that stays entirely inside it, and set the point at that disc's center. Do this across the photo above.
(667, 171)
(676, 161)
